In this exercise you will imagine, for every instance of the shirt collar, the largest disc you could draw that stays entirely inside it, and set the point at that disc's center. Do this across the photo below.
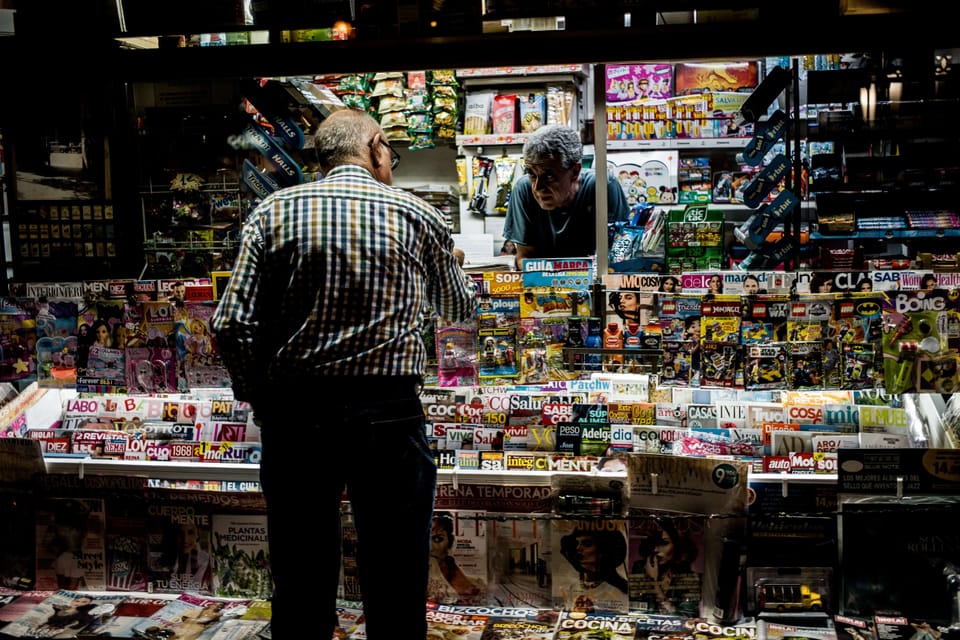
(349, 170)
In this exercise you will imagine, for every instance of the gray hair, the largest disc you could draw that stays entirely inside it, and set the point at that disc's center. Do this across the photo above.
(553, 142)
(344, 135)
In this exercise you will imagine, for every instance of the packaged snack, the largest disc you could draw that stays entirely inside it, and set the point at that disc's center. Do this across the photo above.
(476, 114)
(533, 111)
(505, 114)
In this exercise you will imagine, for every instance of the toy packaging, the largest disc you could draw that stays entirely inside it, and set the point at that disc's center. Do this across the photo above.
(701, 77)
(919, 333)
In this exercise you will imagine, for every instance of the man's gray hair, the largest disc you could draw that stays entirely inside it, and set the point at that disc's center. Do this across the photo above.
(553, 142)
(344, 135)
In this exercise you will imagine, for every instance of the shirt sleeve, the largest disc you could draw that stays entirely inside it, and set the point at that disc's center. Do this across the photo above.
(450, 289)
(237, 318)
(516, 225)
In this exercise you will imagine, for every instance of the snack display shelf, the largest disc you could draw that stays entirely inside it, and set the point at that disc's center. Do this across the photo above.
(479, 140)
(522, 71)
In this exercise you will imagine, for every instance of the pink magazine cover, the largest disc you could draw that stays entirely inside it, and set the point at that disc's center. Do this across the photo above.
(151, 370)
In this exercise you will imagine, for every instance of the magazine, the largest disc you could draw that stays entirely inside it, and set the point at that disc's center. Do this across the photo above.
(576, 625)
(17, 603)
(519, 562)
(507, 628)
(666, 563)
(178, 549)
(126, 549)
(63, 614)
(197, 350)
(70, 552)
(689, 487)
(445, 622)
(350, 622)
(188, 616)
(779, 631)
(241, 556)
(458, 549)
(589, 571)
(919, 567)
(130, 612)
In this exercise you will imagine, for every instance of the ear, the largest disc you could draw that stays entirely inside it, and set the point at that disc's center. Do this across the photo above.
(376, 155)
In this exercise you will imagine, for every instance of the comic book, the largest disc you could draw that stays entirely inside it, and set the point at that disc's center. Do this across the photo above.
(70, 544)
(130, 612)
(765, 366)
(458, 570)
(188, 615)
(579, 625)
(681, 363)
(585, 583)
(498, 310)
(178, 549)
(764, 318)
(497, 356)
(241, 556)
(805, 367)
(63, 614)
(680, 331)
(720, 365)
(519, 562)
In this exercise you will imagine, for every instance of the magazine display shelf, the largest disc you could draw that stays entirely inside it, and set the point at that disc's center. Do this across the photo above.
(251, 472)
(152, 469)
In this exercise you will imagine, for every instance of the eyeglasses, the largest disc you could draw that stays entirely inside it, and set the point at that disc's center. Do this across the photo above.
(547, 177)
(394, 156)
